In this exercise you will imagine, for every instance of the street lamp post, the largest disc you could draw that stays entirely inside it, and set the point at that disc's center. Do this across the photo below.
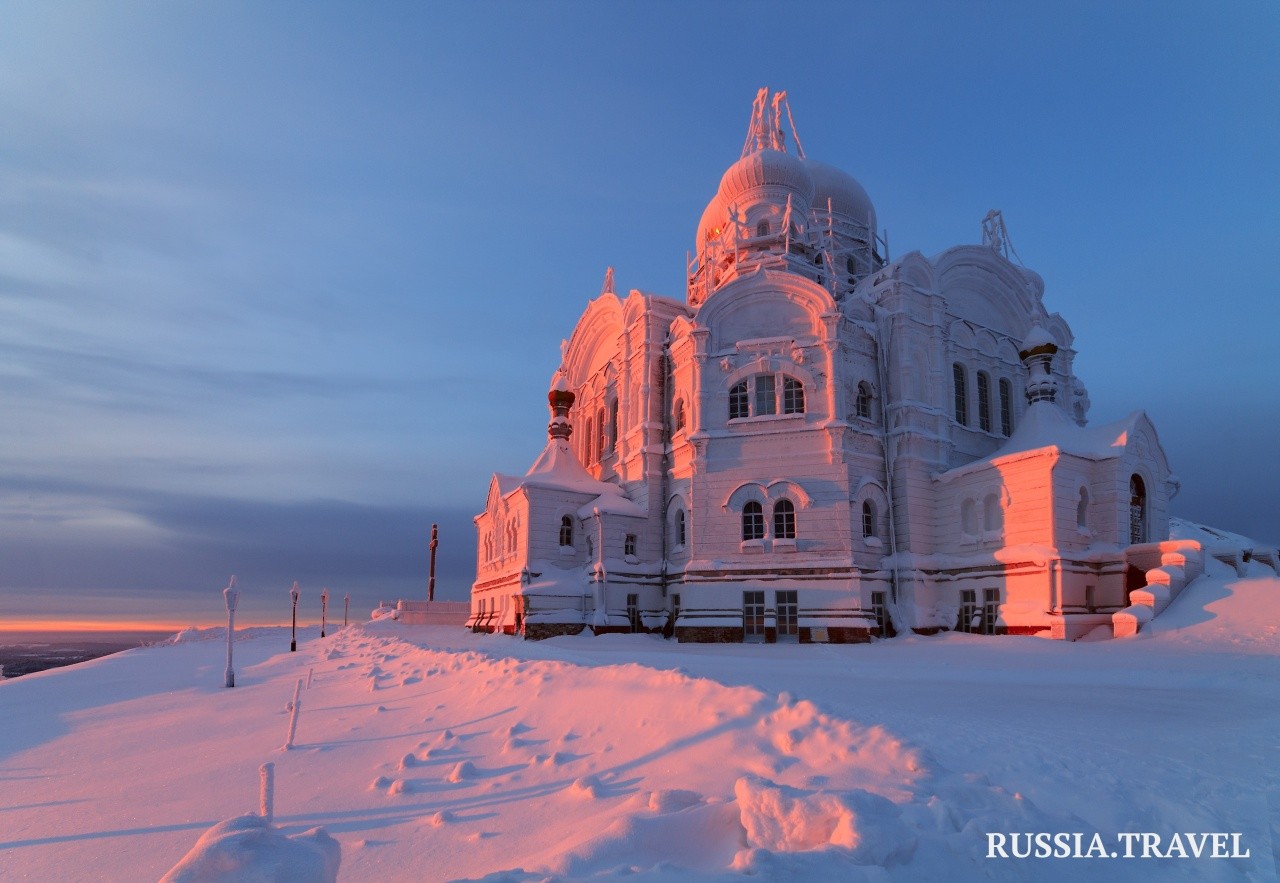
(231, 596)
(346, 608)
(324, 608)
(293, 593)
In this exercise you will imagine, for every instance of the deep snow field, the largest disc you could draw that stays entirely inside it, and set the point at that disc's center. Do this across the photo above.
(433, 754)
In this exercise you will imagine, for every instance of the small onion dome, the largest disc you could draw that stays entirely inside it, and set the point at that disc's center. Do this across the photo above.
(1038, 342)
(766, 168)
(560, 397)
(847, 196)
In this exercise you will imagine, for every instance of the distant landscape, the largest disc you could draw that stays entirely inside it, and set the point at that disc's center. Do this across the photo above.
(24, 653)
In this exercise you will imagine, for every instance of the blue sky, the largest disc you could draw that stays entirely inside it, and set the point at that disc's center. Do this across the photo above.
(281, 284)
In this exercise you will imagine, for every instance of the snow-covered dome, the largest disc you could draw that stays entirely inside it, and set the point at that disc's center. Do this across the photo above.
(847, 196)
(764, 168)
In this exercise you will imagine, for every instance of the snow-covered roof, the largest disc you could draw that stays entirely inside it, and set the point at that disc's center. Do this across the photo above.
(1045, 426)
(558, 469)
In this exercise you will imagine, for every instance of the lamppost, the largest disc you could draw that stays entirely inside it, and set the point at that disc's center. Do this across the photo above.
(324, 608)
(346, 608)
(293, 593)
(231, 596)
(431, 579)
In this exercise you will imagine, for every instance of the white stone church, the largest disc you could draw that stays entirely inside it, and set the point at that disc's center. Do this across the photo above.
(820, 444)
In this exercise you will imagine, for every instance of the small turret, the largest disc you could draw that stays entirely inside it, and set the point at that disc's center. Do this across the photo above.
(1037, 354)
(560, 399)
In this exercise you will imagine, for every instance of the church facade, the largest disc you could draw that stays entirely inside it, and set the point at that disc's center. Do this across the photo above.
(820, 444)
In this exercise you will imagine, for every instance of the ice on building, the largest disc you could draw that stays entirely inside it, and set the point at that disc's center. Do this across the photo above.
(820, 443)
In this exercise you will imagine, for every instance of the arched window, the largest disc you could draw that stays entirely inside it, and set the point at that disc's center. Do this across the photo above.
(677, 418)
(588, 442)
(1082, 510)
(969, 517)
(762, 228)
(851, 266)
(600, 426)
(613, 424)
(992, 514)
(868, 519)
(680, 527)
(984, 401)
(864, 400)
(784, 520)
(752, 521)
(961, 382)
(738, 401)
(1006, 408)
(792, 396)
(1137, 510)
(566, 531)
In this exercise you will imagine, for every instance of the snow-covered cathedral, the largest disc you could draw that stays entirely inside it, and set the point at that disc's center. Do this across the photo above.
(823, 444)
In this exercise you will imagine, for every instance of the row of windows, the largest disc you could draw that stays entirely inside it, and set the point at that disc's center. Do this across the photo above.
(786, 604)
(600, 434)
(753, 524)
(763, 394)
(960, 380)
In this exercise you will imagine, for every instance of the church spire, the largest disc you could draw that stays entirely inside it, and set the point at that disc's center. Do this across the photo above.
(765, 129)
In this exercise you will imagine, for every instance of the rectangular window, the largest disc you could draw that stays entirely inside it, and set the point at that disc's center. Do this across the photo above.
(766, 395)
(788, 614)
(753, 617)
(629, 545)
(633, 612)
(881, 613)
(969, 619)
(990, 610)
(984, 402)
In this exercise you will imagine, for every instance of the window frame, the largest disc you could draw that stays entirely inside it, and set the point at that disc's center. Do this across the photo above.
(784, 520)
(752, 521)
(960, 382)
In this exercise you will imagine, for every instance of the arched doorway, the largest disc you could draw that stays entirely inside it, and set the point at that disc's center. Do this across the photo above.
(1137, 510)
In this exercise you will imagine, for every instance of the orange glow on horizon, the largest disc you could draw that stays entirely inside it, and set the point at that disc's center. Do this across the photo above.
(98, 625)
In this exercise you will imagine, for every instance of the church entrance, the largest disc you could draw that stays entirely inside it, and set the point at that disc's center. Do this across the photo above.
(1134, 578)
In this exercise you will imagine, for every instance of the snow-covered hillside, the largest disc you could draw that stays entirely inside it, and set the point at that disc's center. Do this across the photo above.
(430, 753)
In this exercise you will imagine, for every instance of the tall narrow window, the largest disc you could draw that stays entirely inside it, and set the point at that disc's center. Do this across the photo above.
(1082, 510)
(738, 401)
(613, 424)
(600, 426)
(1137, 510)
(589, 442)
(1006, 408)
(766, 395)
(752, 521)
(629, 545)
(677, 418)
(992, 514)
(792, 396)
(868, 519)
(864, 400)
(784, 520)
(680, 527)
(984, 401)
(962, 393)
(566, 531)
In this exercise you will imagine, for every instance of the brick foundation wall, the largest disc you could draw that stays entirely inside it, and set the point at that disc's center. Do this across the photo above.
(720, 634)
(538, 631)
